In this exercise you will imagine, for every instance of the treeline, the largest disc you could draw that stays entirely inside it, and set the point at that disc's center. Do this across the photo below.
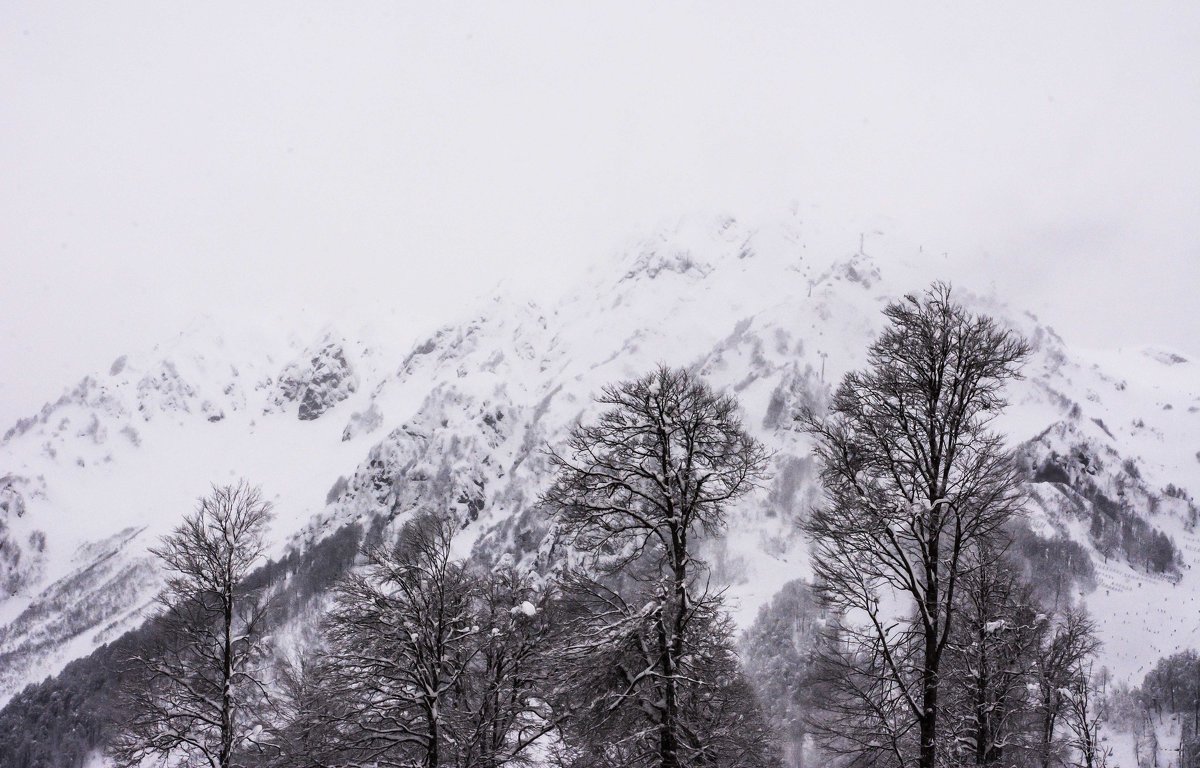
(934, 632)
(1170, 690)
(63, 720)
(623, 655)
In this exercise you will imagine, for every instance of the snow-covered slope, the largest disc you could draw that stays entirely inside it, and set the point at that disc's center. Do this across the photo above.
(93, 479)
(339, 429)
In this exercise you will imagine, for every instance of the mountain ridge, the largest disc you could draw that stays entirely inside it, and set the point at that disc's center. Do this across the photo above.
(460, 419)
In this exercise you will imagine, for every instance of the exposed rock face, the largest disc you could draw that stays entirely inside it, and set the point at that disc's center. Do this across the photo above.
(317, 383)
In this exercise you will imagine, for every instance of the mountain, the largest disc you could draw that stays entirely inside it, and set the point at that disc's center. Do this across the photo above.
(350, 433)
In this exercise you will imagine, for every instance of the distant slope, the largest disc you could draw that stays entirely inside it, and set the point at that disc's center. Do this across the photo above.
(340, 432)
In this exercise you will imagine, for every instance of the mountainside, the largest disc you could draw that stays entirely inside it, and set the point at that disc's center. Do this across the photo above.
(338, 431)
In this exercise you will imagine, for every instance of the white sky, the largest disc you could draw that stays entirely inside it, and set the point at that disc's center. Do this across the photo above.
(266, 158)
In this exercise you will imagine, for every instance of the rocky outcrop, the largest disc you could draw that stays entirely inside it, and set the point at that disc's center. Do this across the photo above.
(317, 382)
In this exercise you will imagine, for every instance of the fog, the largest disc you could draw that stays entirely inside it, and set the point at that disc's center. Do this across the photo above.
(271, 161)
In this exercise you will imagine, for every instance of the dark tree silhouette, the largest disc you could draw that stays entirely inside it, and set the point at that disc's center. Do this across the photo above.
(500, 706)
(427, 662)
(400, 636)
(990, 665)
(633, 490)
(1064, 665)
(1086, 707)
(194, 693)
(914, 479)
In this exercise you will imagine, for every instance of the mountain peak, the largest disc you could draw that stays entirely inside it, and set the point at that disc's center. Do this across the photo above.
(340, 431)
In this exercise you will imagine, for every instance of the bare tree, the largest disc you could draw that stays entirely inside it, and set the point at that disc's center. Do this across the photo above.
(190, 697)
(299, 737)
(1172, 687)
(608, 660)
(400, 637)
(1086, 710)
(1066, 650)
(914, 480)
(428, 662)
(500, 706)
(658, 467)
(725, 720)
(992, 653)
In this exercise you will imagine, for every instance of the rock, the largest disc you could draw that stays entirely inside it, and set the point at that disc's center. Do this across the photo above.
(317, 383)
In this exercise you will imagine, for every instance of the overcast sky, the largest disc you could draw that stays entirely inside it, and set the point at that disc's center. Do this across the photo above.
(262, 159)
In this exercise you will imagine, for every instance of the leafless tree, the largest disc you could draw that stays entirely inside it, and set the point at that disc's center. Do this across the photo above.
(605, 663)
(191, 697)
(303, 732)
(1085, 712)
(608, 666)
(400, 636)
(914, 479)
(499, 706)
(1066, 650)
(428, 662)
(633, 489)
(724, 717)
(995, 645)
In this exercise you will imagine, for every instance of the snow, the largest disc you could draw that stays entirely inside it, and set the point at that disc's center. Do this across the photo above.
(459, 417)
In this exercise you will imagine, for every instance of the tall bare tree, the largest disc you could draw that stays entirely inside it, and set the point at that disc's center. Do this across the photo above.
(914, 479)
(658, 468)
(190, 697)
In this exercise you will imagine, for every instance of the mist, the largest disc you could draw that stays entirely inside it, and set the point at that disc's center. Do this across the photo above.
(293, 163)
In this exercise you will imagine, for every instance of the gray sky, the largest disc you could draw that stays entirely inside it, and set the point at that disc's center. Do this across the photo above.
(262, 159)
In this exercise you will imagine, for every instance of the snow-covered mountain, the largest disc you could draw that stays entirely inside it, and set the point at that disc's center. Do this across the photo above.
(341, 428)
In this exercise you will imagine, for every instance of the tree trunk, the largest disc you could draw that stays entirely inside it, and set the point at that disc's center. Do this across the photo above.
(928, 730)
(226, 757)
(1047, 732)
(929, 673)
(668, 742)
(431, 752)
(983, 729)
